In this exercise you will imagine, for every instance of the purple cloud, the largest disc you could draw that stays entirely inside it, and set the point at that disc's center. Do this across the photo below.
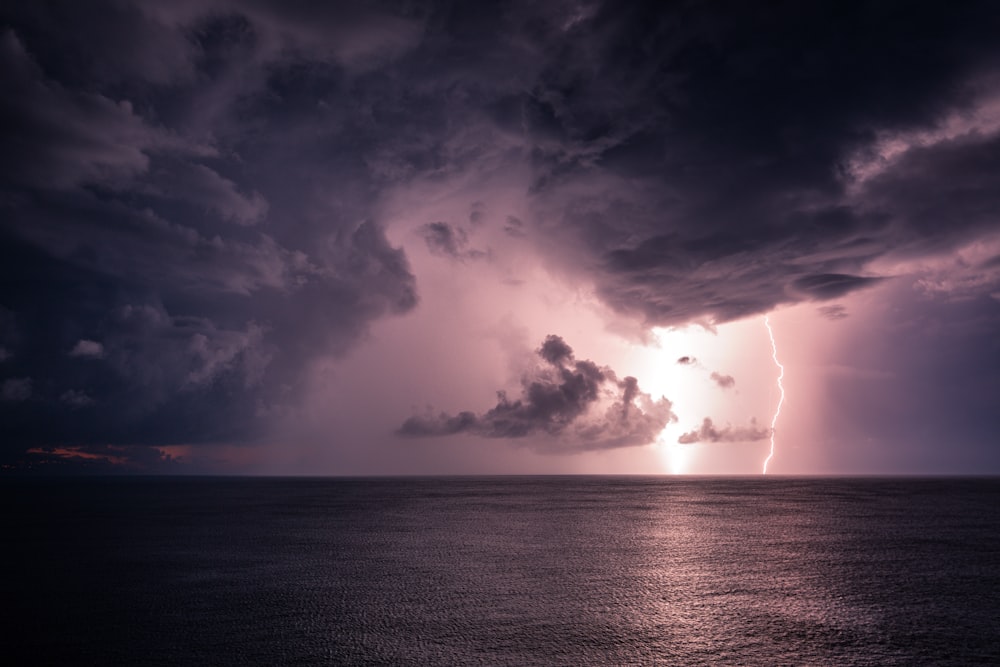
(571, 405)
(709, 432)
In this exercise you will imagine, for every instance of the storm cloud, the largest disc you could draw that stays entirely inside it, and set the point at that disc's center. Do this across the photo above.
(694, 212)
(200, 201)
(168, 275)
(570, 404)
(709, 432)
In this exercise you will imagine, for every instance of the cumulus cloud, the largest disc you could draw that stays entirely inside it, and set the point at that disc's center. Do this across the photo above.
(571, 404)
(724, 381)
(87, 348)
(709, 432)
(555, 351)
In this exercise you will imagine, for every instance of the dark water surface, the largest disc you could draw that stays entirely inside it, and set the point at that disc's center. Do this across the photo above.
(501, 571)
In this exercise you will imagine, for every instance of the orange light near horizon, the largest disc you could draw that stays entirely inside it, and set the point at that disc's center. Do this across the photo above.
(80, 453)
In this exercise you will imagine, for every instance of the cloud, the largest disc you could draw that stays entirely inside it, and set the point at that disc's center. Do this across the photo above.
(687, 361)
(969, 270)
(202, 186)
(680, 212)
(208, 188)
(708, 432)
(77, 399)
(87, 348)
(555, 351)
(831, 285)
(357, 37)
(158, 212)
(100, 458)
(15, 389)
(724, 381)
(514, 227)
(445, 240)
(955, 127)
(571, 405)
(59, 138)
(231, 349)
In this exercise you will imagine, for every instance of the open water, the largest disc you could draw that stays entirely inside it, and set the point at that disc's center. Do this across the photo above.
(500, 571)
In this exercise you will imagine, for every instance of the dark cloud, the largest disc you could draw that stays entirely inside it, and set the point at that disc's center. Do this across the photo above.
(477, 215)
(15, 389)
(213, 364)
(56, 137)
(442, 238)
(446, 240)
(104, 459)
(555, 351)
(724, 381)
(514, 227)
(831, 285)
(690, 210)
(708, 432)
(687, 361)
(170, 259)
(201, 188)
(571, 405)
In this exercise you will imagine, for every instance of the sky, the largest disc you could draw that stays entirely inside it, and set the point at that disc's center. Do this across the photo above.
(499, 238)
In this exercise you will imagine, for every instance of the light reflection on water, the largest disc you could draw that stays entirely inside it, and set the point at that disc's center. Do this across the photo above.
(520, 571)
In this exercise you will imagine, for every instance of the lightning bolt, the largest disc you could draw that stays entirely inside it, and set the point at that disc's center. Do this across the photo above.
(781, 399)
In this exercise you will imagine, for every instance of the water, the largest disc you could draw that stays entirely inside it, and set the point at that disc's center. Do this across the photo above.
(501, 571)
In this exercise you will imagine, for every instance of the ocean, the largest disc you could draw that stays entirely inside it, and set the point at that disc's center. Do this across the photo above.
(500, 571)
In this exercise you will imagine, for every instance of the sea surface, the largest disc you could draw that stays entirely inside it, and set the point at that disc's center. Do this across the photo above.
(500, 571)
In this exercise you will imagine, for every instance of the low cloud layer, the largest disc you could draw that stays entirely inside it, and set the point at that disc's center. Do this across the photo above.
(566, 404)
(709, 432)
